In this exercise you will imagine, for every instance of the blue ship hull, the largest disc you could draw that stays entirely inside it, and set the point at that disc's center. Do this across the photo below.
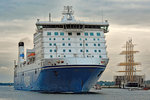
(66, 78)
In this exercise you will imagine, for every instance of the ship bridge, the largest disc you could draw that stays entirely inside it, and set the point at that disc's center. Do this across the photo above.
(73, 25)
(69, 23)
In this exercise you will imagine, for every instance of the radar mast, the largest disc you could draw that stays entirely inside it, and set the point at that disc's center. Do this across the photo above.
(68, 14)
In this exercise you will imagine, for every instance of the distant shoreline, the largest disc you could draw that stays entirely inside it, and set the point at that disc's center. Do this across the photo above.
(6, 84)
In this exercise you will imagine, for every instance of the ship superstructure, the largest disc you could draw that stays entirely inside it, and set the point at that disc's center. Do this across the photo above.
(68, 56)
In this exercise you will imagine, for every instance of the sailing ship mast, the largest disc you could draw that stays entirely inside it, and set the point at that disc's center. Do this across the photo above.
(130, 65)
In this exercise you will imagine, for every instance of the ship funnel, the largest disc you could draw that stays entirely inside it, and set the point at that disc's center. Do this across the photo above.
(21, 52)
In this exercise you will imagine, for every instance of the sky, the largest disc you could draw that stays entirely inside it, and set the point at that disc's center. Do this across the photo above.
(127, 19)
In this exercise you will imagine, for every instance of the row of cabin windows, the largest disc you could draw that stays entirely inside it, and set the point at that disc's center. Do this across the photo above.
(69, 44)
(70, 39)
(56, 33)
(87, 39)
(64, 50)
(78, 34)
(55, 39)
(88, 50)
(51, 56)
(87, 44)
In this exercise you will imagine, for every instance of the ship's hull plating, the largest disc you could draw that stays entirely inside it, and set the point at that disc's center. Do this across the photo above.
(66, 78)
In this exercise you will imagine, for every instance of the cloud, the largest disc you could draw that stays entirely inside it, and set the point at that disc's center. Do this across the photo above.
(25, 9)
(117, 11)
(26, 40)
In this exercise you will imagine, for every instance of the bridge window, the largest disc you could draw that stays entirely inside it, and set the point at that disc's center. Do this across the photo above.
(71, 26)
(64, 50)
(52, 26)
(93, 26)
(98, 44)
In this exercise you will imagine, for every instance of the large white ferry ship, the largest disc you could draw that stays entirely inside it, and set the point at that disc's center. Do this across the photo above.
(68, 56)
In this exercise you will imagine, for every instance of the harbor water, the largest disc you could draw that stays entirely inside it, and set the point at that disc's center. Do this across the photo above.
(8, 93)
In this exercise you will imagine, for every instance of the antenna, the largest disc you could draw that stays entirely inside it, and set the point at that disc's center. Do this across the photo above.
(102, 15)
(49, 17)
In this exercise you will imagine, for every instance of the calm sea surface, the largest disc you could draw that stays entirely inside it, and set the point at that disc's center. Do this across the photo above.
(8, 93)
